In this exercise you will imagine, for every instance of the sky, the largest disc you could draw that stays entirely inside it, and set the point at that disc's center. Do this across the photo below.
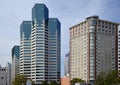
(69, 12)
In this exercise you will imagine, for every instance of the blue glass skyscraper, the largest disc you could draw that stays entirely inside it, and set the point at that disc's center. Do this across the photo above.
(54, 47)
(45, 45)
(25, 48)
(39, 43)
(40, 14)
(40, 46)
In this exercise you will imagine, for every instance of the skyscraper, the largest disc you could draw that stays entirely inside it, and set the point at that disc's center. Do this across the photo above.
(54, 49)
(25, 48)
(119, 50)
(15, 61)
(67, 64)
(39, 43)
(8, 72)
(93, 48)
(45, 45)
(40, 46)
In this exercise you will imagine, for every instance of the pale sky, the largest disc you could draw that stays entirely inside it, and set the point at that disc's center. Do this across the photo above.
(69, 12)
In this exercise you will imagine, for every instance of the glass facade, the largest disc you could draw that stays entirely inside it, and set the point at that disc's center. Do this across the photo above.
(16, 52)
(45, 40)
(40, 14)
(15, 61)
(40, 41)
(25, 48)
(54, 39)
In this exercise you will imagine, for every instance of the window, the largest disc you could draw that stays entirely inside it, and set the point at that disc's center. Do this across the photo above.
(2, 77)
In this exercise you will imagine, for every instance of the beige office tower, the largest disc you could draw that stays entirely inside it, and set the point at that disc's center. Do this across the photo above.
(93, 48)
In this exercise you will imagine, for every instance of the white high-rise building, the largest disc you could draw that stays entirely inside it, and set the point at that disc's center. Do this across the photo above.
(25, 49)
(46, 42)
(15, 62)
(40, 46)
(8, 72)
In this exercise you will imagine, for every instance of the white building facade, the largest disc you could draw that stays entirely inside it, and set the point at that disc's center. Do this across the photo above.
(5, 75)
(25, 49)
(15, 62)
(8, 72)
(40, 46)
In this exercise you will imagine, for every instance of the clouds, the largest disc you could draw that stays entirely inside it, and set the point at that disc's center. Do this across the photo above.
(13, 12)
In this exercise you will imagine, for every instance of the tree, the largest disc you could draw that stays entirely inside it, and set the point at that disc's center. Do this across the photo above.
(76, 80)
(107, 79)
(112, 78)
(49, 83)
(19, 80)
(45, 83)
(100, 80)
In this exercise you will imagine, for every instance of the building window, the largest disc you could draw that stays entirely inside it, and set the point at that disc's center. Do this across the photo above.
(2, 78)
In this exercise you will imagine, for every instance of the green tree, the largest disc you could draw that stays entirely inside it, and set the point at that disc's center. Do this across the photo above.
(107, 79)
(100, 80)
(49, 83)
(45, 83)
(76, 80)
(19, 80)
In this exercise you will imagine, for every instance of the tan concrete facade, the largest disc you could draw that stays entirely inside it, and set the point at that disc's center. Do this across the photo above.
(79, 39)
(93, 48)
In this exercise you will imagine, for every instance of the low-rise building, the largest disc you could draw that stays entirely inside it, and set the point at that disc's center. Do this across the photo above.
(65, 80)
(3, 76)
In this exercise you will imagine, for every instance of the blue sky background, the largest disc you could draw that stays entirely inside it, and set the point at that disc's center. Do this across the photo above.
(69, 12)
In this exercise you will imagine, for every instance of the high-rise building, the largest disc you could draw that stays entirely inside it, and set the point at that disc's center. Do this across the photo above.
(67, 64)
(39, 43)
(54, 49)
(119, 50)
(93, 48)
(15, 61)
(25, 48)
(45, 45)
(8, 72)
(40, 46)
